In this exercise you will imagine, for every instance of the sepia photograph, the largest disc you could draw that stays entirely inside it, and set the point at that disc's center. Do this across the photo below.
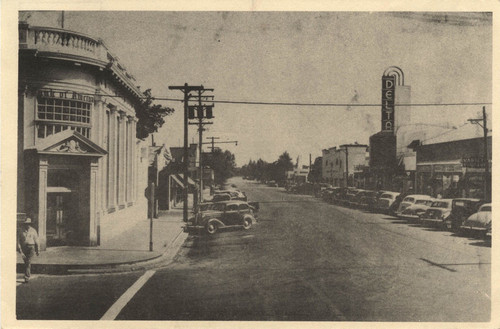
(252, 165)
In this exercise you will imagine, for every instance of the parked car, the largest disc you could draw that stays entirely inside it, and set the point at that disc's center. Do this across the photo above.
(320, 188)
(370, 200)
(412, 213)
(329, 193)
(350, 193)
(480, 222)
(355, 198)
(234, 194)
(461, 209)
(272, 183)
(437, 213)
(221, 197)
(219, 215)
(385, 201)
(411, 200)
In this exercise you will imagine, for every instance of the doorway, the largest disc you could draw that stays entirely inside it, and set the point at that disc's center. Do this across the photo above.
(62, 207)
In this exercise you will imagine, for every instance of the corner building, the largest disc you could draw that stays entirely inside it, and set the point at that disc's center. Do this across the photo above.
(81, 169)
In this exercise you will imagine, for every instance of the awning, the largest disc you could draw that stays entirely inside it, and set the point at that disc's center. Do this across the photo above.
(190, 181)
(179, 179)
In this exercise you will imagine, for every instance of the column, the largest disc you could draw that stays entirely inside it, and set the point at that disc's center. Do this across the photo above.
(43, 166)
(135, 164)
(130, 160)
(99, 115)
(122, 161)
(111, 188)
(93, 230)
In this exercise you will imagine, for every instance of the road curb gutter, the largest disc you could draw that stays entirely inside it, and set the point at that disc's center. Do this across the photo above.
(65, 269)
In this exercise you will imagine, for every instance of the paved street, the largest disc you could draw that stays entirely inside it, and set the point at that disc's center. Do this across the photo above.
(304, 260)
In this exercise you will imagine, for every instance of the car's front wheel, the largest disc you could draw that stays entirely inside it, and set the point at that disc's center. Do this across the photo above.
(247, 223)
(212, 227)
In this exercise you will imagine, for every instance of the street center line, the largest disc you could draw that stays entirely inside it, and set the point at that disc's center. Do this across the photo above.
(117, 307)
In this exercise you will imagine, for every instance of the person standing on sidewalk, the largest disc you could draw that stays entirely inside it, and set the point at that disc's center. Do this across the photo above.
(27, 245)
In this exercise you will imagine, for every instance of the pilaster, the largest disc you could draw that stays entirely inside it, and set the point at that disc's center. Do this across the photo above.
(122, 160)
(43, 166)
(93, 221)
(112, 134)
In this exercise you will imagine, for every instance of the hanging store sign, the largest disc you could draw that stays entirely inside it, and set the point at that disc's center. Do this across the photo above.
(388, 90)
(473, 162)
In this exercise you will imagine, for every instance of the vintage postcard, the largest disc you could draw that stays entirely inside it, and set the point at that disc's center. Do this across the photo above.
(293, 165)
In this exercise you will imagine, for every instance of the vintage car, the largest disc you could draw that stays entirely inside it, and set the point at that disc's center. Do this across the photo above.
(461, 209)
(413, 212)
(350, 194)
(410, 200)
(234, 194)
(385, 201)
(369, 199)
(437, 214)
(355, 199)
(480, 222)
(218, 215)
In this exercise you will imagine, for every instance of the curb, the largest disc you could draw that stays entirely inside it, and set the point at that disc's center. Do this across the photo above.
(64, 269)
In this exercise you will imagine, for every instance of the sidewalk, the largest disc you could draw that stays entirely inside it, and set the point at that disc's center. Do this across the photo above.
(131, 247)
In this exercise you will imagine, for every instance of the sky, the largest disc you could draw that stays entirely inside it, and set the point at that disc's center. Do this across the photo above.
(298, 57)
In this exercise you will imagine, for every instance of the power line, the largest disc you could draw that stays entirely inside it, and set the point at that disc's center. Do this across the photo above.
(327, 104)
(301, 104)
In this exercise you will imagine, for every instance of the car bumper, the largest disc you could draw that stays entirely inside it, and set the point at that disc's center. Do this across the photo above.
(432, 220)
(474, 229)
(409, 217)
(192, 228)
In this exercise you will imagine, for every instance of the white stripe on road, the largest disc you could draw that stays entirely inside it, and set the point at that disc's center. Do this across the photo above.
(117, 307)
(336, 312)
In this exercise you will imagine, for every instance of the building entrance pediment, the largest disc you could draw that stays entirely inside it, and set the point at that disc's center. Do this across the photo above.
(69, 142)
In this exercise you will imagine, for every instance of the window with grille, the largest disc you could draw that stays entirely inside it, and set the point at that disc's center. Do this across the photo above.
(55, 115)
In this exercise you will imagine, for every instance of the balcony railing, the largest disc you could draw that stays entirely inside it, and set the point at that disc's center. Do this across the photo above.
(60, 41)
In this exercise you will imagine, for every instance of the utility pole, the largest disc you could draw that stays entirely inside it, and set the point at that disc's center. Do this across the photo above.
(483, 123)
(186, 89)
(347, 166)
(203, 111)
(213, 142)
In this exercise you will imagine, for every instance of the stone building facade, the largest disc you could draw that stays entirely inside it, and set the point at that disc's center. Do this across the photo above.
(81, 169)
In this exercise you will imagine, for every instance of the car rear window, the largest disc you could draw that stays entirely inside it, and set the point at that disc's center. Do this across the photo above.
(243, 206)
(386, 196)
(409, 199)
(440, 204)
(214, 206)
(485, 208)
(232, 207)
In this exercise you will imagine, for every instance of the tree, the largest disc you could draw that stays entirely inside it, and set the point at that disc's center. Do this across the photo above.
(150, 116)
(223, 164)
(283, 165)
(315, 174)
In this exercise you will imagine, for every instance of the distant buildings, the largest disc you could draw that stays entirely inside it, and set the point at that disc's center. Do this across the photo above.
(340, 164)
(408, 155)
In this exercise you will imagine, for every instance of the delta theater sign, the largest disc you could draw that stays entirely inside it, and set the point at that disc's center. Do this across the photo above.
(388, 89)
(392, 76)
